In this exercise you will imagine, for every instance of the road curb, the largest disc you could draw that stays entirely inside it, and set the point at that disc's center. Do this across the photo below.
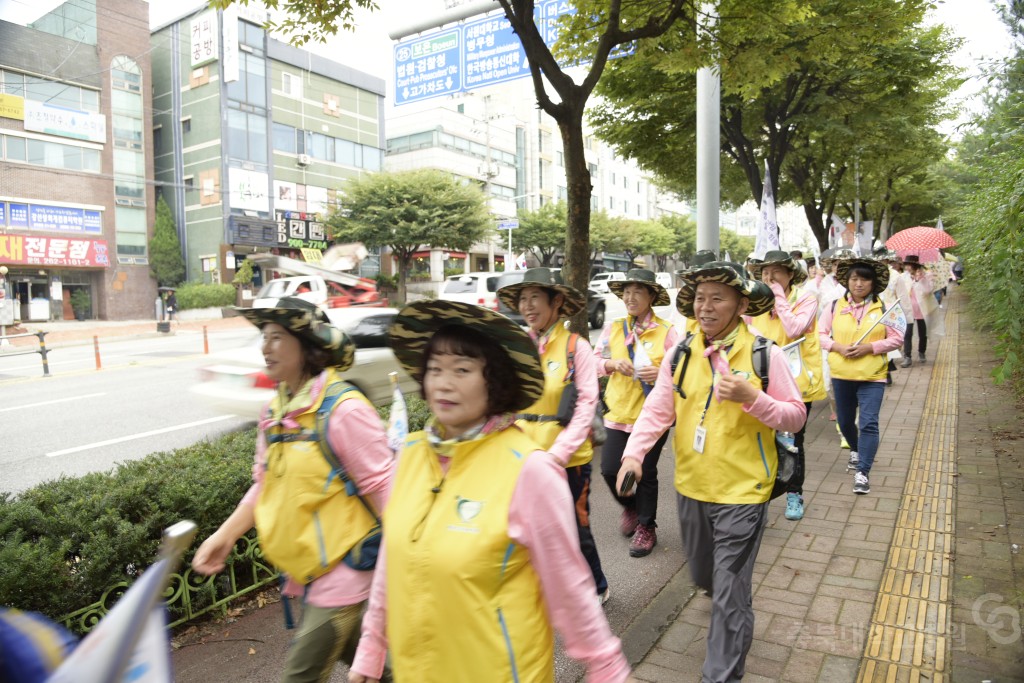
(650, 625)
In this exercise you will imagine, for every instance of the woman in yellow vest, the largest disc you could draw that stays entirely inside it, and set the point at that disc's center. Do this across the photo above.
(296, 485)
(480, 563)
(858, 345)
(629, 353)
(561, 429)
(725, 423)
(794, 317)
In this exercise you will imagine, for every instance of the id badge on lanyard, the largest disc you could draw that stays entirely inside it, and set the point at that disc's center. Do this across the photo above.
(700, 434)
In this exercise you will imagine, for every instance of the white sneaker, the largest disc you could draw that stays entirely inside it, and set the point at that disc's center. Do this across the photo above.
(861, 485)
(603, 597)
(852, 463)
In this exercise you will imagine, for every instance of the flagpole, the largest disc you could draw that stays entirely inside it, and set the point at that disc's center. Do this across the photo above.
(880, 319)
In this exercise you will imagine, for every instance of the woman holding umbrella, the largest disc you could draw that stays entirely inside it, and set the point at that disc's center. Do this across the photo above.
(918, 282)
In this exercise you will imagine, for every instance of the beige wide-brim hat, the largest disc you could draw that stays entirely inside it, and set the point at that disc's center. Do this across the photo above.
(544, 277)
(413, 327)
(778, 258)
(880, 268)
(761, 297)
(308, 321)
(642, 276)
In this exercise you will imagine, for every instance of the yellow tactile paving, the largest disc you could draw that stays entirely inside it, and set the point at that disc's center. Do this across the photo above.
(908, 640)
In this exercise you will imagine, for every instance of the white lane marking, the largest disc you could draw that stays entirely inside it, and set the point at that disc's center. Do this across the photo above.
(56, 400)
(142, 435)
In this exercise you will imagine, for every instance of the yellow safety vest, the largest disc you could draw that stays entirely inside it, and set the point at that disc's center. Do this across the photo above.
(811, 380)
(846, 329)
(555, 362)
(305, 521)
(625, 395)
(739, 459)
(463, 600)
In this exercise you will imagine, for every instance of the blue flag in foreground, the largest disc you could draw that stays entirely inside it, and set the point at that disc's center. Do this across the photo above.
(398, 421)
(130, 644)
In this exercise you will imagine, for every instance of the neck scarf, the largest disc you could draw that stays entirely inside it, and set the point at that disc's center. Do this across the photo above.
(722, 344)
(288, 408)
(542, 340)
(445, 447)
(638, 327)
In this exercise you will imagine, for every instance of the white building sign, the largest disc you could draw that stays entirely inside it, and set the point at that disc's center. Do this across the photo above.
(69, 123)
(203, 38)
(248, 190)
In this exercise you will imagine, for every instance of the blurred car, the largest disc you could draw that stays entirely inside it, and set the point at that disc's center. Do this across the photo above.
(600, 281)
(595, 301)
(472, 288)
(237, 384)
(665, 280)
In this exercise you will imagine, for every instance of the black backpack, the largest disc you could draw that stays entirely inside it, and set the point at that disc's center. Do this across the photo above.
(761, 360)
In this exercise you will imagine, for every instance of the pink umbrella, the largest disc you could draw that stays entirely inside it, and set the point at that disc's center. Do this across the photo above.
(926, 255)
(920, 237)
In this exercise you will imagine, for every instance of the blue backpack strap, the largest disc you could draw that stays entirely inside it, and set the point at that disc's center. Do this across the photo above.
(332, 394)
(625, 333)
(570, 355)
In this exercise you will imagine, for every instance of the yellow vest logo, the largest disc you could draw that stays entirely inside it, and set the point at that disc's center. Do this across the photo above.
(467, 509)
(553, 366)
(648, 345)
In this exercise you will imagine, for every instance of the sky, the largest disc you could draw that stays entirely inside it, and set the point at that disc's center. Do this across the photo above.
(370, 49)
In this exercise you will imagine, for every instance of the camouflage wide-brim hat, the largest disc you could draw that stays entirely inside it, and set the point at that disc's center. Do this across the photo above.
(701, 258)
(415, 324)
(761, 297)
(308, 321)
(778, 258)
(647, 278)
(880, 268)
(546, 278)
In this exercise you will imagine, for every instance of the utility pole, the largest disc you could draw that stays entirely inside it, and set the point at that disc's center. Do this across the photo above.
(709, 95)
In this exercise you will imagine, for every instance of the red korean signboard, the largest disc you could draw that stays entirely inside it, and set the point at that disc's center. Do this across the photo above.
(54, 251)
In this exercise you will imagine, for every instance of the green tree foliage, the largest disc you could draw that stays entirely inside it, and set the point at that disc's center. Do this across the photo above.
(165, 260)
(409, 210)
(542, 232)
(307, 20)
(657, 239)
(244, 274)
(684, 232)
(804, 90)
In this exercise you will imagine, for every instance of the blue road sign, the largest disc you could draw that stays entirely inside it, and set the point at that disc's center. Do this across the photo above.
(429, 67)
(493, 52)
(509, 224)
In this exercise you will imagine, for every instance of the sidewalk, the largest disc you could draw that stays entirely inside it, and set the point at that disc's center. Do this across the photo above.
(916, 581)
(71, 332)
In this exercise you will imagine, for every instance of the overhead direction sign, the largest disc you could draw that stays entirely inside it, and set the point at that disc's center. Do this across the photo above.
(428, 67)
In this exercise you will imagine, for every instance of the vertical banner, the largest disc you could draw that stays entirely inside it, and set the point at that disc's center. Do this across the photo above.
(767, 224)
(229, 39)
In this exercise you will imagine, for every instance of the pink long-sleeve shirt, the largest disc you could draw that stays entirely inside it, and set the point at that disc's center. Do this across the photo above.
(357, 436)
(795, 317)
(587, 393)
(540, 518)
(782, 408)
(893, 338)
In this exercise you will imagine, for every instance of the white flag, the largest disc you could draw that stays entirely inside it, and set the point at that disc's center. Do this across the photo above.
(727, 257)
(938, 226)
(865, 238)
(895, 318)
(835, 232)
(398, 420)
(130, 643)
(767, 225)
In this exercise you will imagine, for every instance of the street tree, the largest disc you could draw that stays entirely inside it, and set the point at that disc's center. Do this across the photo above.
(541, 232)
(658, 240)
(306, 20)
(407, 211)
(785, 83)
(165, 259)
(684, 235)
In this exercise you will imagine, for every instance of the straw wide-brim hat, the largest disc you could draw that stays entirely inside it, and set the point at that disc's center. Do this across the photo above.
(779, 258)
(761, 297)
(415, 324)
(880, 268)
(307, 321)
(544, 277)
(642, 276)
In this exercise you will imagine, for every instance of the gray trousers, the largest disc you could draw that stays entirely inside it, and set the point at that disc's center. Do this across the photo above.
(721, 543)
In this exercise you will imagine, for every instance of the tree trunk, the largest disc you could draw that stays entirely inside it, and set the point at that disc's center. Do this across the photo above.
(576, 271)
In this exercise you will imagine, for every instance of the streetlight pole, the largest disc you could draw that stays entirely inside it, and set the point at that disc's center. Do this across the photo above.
(4, 304)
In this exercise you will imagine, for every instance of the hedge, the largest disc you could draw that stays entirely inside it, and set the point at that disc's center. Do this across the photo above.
(63, 543)
(199, 295)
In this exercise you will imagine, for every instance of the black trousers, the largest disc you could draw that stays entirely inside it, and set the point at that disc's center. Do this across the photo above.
(645, 501)
(796, 483)
(579, 486)
(922, 338)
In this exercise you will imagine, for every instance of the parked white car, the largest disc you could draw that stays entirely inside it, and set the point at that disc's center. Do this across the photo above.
(236, 383)
(472, 288)
(665, 280)
(600, 282)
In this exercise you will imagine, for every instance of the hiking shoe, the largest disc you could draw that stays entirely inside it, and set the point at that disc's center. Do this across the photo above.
(921, 357)
(643, 541)
(861, 485)
(906, 362)
(628, 522)
(852, 463)
(603, 597)
(794, 506)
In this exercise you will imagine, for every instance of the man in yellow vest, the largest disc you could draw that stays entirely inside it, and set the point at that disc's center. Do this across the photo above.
(725, 448)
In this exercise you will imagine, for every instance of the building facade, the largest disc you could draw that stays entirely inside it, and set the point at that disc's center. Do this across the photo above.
(254, 138)
(76, 192)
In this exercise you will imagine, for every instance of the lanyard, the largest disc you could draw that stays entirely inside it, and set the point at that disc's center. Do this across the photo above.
(711, 390)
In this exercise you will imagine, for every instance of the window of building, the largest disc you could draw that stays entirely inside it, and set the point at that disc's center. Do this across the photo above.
(625, 182)
(611, 202)
(251, 86)
(291, 85)
(15, 149)
(559, 159)
(625, 206)
(593, 170)
(284, 138)
(129, 159)
(189, 182)
(51, 154)
(614, 178)
(250, 35)
(186, 124)
(158, 138)
(247, 136)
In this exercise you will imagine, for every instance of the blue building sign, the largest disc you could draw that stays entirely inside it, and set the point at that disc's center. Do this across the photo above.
(428, 67)
(50, 218)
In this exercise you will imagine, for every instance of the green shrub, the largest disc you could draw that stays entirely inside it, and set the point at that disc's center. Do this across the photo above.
(417, 409)
(199, 295)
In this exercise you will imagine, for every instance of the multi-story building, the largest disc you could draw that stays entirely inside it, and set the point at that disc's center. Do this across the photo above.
(253, 139)
(76, 194)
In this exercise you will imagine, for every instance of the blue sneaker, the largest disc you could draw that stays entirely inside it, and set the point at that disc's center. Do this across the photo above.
(794, 506)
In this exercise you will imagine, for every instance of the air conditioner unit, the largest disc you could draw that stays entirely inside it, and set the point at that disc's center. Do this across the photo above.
(303, 160)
